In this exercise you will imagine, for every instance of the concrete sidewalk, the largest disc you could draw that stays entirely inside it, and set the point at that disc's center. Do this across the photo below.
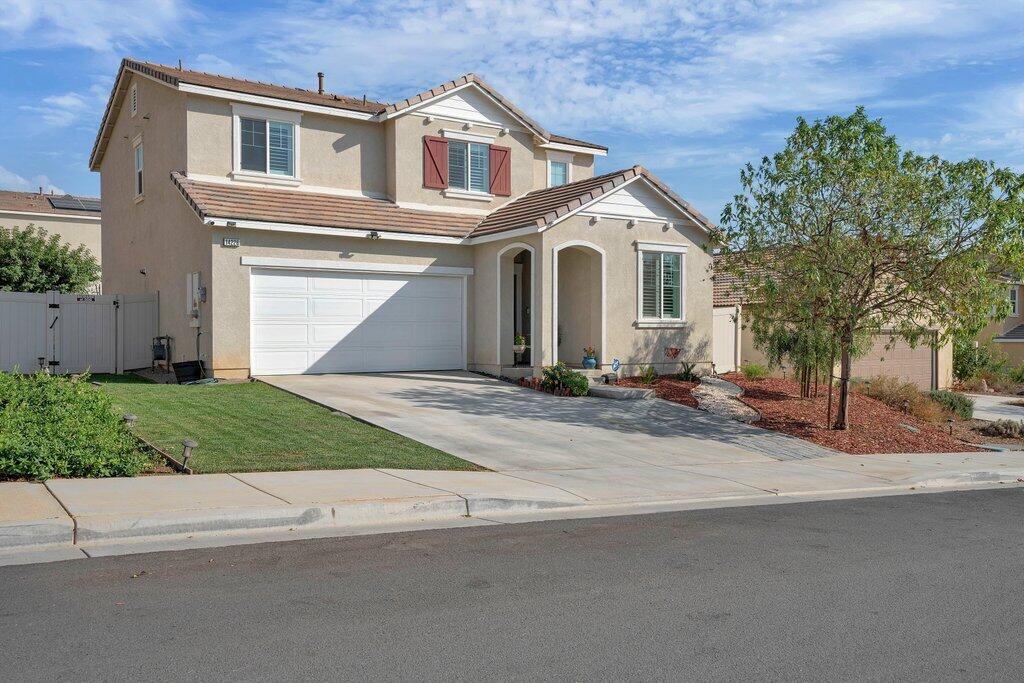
(68, 518)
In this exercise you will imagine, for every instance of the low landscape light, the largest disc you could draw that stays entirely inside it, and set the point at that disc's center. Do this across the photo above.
(130, 419)
(186, 453)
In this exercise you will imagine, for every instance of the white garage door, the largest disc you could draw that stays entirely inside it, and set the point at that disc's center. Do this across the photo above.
(318, 322)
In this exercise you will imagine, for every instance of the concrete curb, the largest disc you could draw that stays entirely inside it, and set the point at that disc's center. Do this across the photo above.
(21, 540)
(42, 532)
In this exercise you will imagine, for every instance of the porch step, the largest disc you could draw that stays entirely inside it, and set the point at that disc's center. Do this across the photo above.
(621, 393)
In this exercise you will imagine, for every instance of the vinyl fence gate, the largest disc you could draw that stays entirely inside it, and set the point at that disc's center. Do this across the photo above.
(76, 332)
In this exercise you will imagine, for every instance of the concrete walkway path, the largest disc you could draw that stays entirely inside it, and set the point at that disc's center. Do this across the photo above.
(992, 407)
(74, 518)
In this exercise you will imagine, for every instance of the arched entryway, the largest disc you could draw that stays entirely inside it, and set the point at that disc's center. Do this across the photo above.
(578, 301)
(517, 293)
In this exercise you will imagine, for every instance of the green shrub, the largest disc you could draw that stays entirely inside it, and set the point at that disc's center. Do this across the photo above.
(1008, 429)
(648, 374)
(688, 373)
(56, 426)
(1017, 374)
(558, 376)
(962, 406)
(971, 360)
(754, 371)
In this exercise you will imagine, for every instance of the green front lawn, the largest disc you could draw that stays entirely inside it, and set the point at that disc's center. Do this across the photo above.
(252, 427)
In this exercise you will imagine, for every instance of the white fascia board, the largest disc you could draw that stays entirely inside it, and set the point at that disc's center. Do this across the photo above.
(507, 234)
(41, 215)
(274, 102)
(357, 266)
(336, 232)
(562, 147)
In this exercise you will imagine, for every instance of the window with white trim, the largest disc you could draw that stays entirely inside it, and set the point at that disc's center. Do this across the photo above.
(1015, 305)
(139, 185)
(660, 295)
(558, 173)
(267, 146)
(469, 166)
(133, 99)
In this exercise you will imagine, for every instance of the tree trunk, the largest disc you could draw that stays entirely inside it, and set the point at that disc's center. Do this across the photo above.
(843, 411)
(831, 377)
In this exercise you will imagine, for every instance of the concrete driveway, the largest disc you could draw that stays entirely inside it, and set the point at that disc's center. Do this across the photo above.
(992, 407)
(506, 428)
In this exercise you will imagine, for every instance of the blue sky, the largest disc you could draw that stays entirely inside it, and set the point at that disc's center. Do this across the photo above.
(691, 90)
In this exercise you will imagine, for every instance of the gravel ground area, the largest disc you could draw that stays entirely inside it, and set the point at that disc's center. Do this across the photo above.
(874, 427)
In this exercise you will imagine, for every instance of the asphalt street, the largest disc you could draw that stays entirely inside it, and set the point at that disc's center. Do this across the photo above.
(922, 587)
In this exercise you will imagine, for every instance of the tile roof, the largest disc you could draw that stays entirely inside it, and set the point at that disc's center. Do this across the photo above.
(34, 202)
(174, 76)
(220, 200)
(1015, 333)
(541, 207)
(726, 287)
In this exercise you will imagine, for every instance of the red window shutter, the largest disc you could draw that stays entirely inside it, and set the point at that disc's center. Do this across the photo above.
(435, 162)
(501, 171)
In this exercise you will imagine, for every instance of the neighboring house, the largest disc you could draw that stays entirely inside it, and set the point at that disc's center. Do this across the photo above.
(926, 366)
(75, 219)
(298, 231)
(1007, 335)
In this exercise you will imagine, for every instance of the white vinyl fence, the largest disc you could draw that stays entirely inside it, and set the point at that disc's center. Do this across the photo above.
(76, 332)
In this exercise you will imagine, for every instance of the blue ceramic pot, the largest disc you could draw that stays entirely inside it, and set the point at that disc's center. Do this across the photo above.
(589, 363)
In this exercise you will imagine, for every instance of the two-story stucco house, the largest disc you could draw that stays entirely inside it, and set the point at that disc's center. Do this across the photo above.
(298, 231)
(1007, 335)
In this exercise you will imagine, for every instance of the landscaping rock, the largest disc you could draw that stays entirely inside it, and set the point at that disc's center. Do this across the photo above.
(621, 393)
(719, 397)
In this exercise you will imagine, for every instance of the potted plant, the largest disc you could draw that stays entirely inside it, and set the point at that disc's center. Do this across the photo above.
(589, 358)
(519, 344)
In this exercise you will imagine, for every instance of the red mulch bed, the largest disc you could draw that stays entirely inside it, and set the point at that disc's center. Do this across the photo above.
(874, 426)
(667, 388)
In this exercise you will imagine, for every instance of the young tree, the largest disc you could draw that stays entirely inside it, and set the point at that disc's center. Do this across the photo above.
(844, 228)
(32, 262)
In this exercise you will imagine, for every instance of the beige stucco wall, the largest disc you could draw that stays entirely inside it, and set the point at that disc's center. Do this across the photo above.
(407, 133)
(484, 292)
(749, 353)
(73, 230)
(632, 345)
(159, 233)
(333, 152)
(229, 291)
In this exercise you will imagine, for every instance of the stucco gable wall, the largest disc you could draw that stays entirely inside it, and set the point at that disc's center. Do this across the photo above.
(632, 345)
(159, 234)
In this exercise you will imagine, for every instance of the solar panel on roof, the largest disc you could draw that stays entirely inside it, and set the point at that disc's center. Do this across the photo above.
(75, 203)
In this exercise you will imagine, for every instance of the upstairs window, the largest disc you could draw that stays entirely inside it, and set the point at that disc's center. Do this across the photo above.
(1015, 305)
(660, 296)
(558, 173)
(469, 166)
(267, 146)
(139, 185)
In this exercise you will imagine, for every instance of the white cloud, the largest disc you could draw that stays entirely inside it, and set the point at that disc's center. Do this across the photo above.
(9, 180)
(70, 107)
(694, 68)
(100, 25)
